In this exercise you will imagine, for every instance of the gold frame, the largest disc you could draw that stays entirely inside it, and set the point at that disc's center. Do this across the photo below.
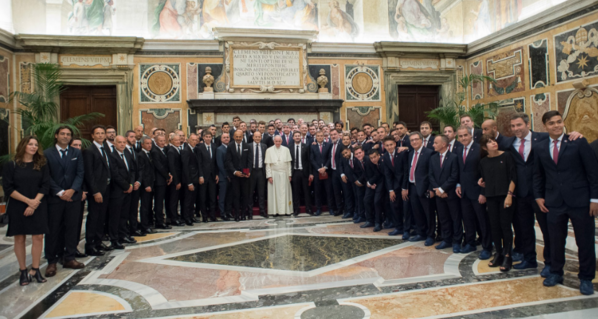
(257, 47)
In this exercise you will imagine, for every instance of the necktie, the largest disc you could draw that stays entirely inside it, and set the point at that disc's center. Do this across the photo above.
(122, 156)
(450, 147)
(113, 150)
(104, 154)
(333, 152)
(555, 152)
(440, 160)
(256, 160)
(138, 147)
(465, 155)
(351, 163)
(303, 140)
(297, 157)
(392, 159)
(210, 151)
(522, 149)
(239, 149)
(320, 148)
(63, 156)
(412, 171)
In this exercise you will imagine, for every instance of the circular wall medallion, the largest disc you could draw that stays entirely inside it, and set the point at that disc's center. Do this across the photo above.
(160, 83)
(362, 83)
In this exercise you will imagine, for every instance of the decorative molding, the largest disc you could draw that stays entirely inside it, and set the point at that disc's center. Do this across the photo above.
(227, 33)
(420, 50)
(419, 63)
(8, 39)
(181, 45)
(274, 105)
(86, 60)
(79, 44)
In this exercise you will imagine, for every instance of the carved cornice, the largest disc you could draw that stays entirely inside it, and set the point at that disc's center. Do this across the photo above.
(265, 105)
(225, 33)
(420, 50)
(79, 44)
(7, 39)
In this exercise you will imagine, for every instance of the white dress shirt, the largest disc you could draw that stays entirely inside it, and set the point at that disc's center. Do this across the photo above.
(297, 150)
(258, 149)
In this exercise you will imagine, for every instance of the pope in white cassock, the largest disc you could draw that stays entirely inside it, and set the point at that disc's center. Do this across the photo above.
(278, 172)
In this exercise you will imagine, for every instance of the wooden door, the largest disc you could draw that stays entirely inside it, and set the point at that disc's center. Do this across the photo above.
(414, 102)
(79, 100)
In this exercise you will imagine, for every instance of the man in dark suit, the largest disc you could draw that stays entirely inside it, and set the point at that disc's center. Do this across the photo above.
(247, 136)
(287, 135)
(490, 128)
(268, 137)
(375, 192)
(473, 201)
(566, 188)
(393, 163)
(444, 175)
(161, 182)
(467, 121)
(218, 140)
(64, 200)
(257, 179)
(123, 177)
(305, 137)
(359, 183)
(301, 177)
(416, 189)
(208, 176)
(97, 179)
(319, 157)
(133, 213)
(190, 179)
(403, 132)
(138, 136)
(224, 191)
(335, 200)
(594, 146)
(426, 129)
(237, 164)
(451, 133)
(147, 172)
(174, 189)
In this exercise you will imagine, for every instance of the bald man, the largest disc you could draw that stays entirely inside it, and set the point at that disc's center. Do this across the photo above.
(237, 163)
(138, 135)
(490, 128)
(122, 178)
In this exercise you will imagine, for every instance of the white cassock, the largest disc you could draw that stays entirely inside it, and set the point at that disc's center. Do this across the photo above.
(278, 166)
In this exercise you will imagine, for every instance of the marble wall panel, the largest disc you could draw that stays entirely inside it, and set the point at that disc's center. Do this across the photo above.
(561, 100)
(4, 133)
(581, 113)
(507, 69)
(505, 110)
(539, 104)
(168, 119)
(359, 115)
(362, 83)
(477, 91)
(192, 121)
(192, 81)
(160, 83)
(575, 52)
(26, 76)
(539, 73)
(4, 79)
(335, 81)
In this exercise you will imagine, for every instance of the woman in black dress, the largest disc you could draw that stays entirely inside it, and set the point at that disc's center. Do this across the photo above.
(26, 180)
(499, 175)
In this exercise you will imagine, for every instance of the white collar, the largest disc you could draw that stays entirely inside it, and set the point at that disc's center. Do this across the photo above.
(528, 136)
(98, 145)
(60, 148)
(444, 154)
(469, 145)
(558, 139)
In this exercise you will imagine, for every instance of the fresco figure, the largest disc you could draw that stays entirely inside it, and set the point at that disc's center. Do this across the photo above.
(340, 23)
(421, 21)
(108, 13)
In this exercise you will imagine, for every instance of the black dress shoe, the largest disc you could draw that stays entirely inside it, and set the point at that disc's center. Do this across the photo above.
(162, 226)
(117, 245)
(128, 240)
(178, 223)
(237, 218)
(295, 214)
(106, 238)
(366, 225)
(93, 252)
(195, 220)
(188, 223)
(205, 220)
(250, 217)
(149, 231)
(318, 213)
(104, 247)
(79, 254)
(226, 218)
(138, 233)
(310, 213)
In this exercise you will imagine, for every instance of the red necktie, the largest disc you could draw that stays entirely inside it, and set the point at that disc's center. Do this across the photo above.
(465, 155)
(522, 149)
(412, 172)
(555, 152)
(440, 160)
(351, 163)
(320, 148)
(392, 159)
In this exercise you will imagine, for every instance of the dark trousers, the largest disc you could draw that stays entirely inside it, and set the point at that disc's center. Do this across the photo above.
(518, 241)
(359, 192)
(300, 184)
(321, 187)
(63, 221)
(374, 203)
(475, 214)
(239, 195)
(117, 216)
(420, 207)
(172, 208)
(257, 181)
(348, 197)
(159, 196)
(189, 202)
(207, 195)
(585, 231)
(451, 222)
(500, 223)
(335, 198)
(224, 191)
(397, 211)
(145, 212)
(80, 220)
(133, 215)
(526, 209)
(96, 216)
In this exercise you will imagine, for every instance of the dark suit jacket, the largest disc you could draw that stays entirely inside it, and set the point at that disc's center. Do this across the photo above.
(220, 158)
(345, 169)
(319, 160)
(252, 157)
(422, 170)
(405, 142)
(97, 170)
(338, 155)
(573, 181)
(174, 165)
(359, 170)
(374, 174)
(525, 169)
(161, 170)
(190, 164)
(456, 146)
(446, 177)
(394, 173)
(208, 168)
(430, 143)
(477, 135)
(134, 156)
(248, 137)
(469, 173)
(305, 157)
(235, 161)
(285, 141)
(122, 178)
(65, 174)
(268, 140)
(146, 170)
(594, 146)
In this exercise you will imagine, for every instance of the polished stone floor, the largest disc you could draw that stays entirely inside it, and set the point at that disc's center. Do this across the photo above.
(304, 267)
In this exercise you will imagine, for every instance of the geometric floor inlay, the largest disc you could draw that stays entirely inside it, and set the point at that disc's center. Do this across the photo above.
(290, 252)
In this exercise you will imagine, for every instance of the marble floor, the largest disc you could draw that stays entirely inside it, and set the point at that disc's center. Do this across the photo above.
(303, 267)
